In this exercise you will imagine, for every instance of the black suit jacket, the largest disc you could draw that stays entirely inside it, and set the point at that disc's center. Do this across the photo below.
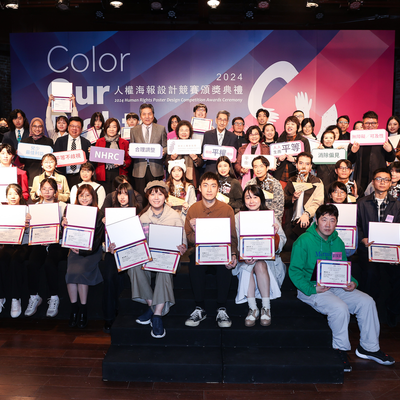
(61, 144)
(210, 137)
(11, 138)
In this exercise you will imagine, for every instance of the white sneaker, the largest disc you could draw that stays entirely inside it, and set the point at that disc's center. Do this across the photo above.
(34, 302)
(2, 302)
(15, 308)
(53, 303)
(223, 318)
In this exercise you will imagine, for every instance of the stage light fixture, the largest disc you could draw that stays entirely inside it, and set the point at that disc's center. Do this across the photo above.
(116, 4)
(312, 3)
(13, 4)
(156, 5)
(250, 14)
(319, 15)
(263, 5)
(99, 14)
(171, 14)
(213, 3)
(355, 4)
(62, 4)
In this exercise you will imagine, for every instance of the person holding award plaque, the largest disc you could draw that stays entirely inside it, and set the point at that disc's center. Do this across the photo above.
(336, 297)
(46, 254)
(259, 279)
(82, 265)
(162, 297)
(12, 258)
(181, 194)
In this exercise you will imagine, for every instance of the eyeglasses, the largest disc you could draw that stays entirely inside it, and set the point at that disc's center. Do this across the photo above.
(238, 123)
(385, 180)
(343, 122)
(339, 192)
(344, 168)
(370, 123)
(74, 126)
(222, 120)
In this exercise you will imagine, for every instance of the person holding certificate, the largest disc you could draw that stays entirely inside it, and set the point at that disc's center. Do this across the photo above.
(193, 162)
(33, 167)
(343, 170)
(326, 172)
(229, 186)
(322, 242)
(172, 124)
(49, 255)
(379, 206)
(259, 279)
(106, 172)
(256, 146)
(178, 188)
(210, 207)
(82, 265)
(162, 297)
(7, 155)
(49, 164)
(12, 258)
(273, 191)
(61, 121)
(97, 122)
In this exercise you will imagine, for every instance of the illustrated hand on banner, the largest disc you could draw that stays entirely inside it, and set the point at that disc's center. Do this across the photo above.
(303, 104)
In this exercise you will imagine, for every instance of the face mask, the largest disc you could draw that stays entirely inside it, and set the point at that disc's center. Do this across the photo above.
(3, 129)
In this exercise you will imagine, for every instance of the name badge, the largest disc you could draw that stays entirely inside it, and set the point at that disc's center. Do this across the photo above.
(336, 255)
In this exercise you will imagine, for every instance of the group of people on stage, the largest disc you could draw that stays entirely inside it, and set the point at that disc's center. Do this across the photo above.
(304, 219)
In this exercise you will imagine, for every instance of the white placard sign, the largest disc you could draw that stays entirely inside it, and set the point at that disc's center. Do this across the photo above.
(184, 147)
(288, 148)
(146, 150)
(33, 151)
(341, 143)
(369, 137)
(328, 156)
(213, 152)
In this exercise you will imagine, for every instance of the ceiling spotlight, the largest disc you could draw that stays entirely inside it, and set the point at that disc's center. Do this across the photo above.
(62, 4)
(99, 14)
(116, 4)
(319, 15)
(263, 5)
(156, 5)
(13, 4)
(250, 14)
(355, 4)
(311, 4)
(213, 3)
(172, 14)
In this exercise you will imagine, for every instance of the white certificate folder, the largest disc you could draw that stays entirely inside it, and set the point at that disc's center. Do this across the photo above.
(131, 248)
(44, 224)
(213, 241)
(114, 215)
(163, 242)
(79, 232)
(256, 235)
(386, 246)
(7, 176)
(12, 224)
(347, 224)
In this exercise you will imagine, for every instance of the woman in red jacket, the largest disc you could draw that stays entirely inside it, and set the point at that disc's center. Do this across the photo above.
(106, 173)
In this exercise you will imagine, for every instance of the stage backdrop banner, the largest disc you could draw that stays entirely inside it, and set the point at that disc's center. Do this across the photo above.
(324, 73)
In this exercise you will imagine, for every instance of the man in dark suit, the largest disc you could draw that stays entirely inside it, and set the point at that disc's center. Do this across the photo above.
(72, 141)
(219, 137)
(147, 170)
(19, 128)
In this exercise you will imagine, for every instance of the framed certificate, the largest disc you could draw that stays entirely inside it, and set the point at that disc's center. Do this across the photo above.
(348, 235)
(347, 224)
(201, 125)
(257, 247)
(62, 104)
(132, 255)
(62, 91)
(11, 235)
(384, 253)
(44, 223)
(79, 232)
(213, 241)
(333, 273)
(91, 135)
(163, 261)
(126, 133)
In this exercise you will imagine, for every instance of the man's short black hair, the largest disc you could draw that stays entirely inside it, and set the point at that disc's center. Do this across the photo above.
(209, 176)
(304, 154)
(370, 114)
(77, 119)
(344, 160)
(263, 159)
(146, 105)
(329, 209)
(379, 170)
(260, 110)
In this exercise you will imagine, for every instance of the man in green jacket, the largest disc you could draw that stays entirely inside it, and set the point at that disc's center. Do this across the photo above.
(321, 242)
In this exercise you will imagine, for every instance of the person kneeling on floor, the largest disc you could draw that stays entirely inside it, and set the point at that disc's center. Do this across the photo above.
(321, 242)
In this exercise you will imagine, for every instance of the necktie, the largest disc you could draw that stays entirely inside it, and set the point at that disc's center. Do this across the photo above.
(73, 147)
(147, 136)
(19, 136)
(220, 138)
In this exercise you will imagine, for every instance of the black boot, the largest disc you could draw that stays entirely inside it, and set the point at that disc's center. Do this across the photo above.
(73, 318)
(82, 321)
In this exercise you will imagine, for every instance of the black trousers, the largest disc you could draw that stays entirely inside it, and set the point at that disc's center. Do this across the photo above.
(197, 274)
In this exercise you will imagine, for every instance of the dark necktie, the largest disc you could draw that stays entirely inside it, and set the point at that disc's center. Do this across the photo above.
(19, 136)
(73, 147)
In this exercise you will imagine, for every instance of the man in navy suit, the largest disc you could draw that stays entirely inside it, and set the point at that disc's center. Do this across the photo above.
(72, 141)
(219, 137)
(19, 128)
